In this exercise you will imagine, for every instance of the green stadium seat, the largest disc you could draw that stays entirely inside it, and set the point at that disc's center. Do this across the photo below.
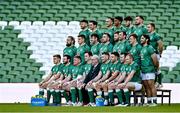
(15, 80)
(20, 19)
(15, 3)
(92, 7)
(52, 11)
(20, 69)
(41, 11)
(24, 64)
(56, 7)
(24, 15)
(23, 56)
(9, 56)
(26, 3)
(4, 3)
(29, 11)
(6, 12)
(45, 7)
(85, 3)
(76, 11)
(38, 3)
(34, 7)
(21, 7)
(35, 15)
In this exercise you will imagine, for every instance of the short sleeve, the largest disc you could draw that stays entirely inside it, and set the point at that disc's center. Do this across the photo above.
(151, 50)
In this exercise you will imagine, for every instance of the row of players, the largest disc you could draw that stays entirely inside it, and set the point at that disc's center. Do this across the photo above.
(107, 72)
(115, 38)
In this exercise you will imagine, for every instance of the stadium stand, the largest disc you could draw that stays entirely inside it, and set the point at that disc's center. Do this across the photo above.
(16, 66)
(40, 26)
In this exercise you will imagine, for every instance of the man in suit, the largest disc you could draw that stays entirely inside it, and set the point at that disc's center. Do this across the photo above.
(92, 77)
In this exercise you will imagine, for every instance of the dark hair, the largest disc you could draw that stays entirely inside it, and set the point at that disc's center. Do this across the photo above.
(85, 21)
(119, 18)
(134, 35)
(57, 55)
(115, 54)
(68, 57)
(72, 38)
(94, 22)
(82, 36)
(152, 24)
(78, 57)
(95, 35)
(117, 32)
(140, 17)
(89, 53)
(147, 37)
(128, 18)
(112, 19)
(124, 33)
(105, 53)
(107, 35)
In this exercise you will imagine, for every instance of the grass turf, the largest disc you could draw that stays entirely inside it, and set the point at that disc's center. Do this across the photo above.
(28, 108)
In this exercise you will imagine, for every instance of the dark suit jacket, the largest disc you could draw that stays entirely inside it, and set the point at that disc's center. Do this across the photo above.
(92, 73)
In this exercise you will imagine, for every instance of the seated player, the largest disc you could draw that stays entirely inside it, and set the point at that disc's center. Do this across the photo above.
(117, 80)
(131, 79)
(104, 73)
(114, 71)
(76, 74)
(51, 78)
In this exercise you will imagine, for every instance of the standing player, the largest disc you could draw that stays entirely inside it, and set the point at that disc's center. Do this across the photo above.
(124, 45)
(131, 77)
(95, 45)
(135, 48)
(149, 64)
(110, 28)
(106, 46)
(51, 78)
(93, 29)
(104, 73)
(156, 43)
(85, 31)
(70, 48)
(117, 24)
(117, 41)
(114, 71)
(140, 28)
(129, 26)
(83, 47)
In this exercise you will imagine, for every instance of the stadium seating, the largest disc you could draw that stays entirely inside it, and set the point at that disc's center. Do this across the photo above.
(40, 27)
(15, 62)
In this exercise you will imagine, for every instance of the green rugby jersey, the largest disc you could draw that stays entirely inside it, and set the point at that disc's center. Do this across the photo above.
(81, 50)
(76, 71)
(71, 51)
(66, 70)
(139, 31)
(86, 33)
(135, 52)
(106, 47)
(154, 38)
(133, 67)
(105, 67)
(95, 48)
(147, 65)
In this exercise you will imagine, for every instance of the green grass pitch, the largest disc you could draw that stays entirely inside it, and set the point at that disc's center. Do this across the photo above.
(27, 108)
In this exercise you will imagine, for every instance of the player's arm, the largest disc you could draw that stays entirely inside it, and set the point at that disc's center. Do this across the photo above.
(105, 77)
(67, 79)
(121, 77)
(155, 60)
(97, 77)
(160, 46)
(113, 76)
(47, 78)
(129, 77)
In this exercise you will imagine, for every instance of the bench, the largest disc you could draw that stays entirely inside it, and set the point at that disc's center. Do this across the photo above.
(161, 93)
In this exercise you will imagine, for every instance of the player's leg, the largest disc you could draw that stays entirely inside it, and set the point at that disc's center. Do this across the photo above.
(73, 91)
(98, 88)
(89, 88)
(64, 89)
(80, 94)
(111, 87)
(105, 90)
